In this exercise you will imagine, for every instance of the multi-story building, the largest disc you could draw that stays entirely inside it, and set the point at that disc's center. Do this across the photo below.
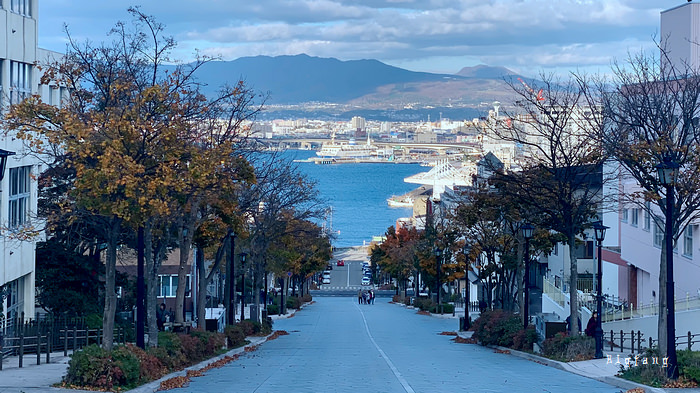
(19, 78)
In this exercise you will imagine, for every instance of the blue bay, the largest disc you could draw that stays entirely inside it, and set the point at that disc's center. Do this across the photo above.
(358, 193)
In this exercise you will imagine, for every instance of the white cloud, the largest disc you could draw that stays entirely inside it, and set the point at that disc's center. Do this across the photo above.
(435, 34)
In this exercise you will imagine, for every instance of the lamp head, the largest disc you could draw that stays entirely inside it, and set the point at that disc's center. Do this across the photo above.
(599, 229)
(667, 171)
(3, 161)
(527, 230)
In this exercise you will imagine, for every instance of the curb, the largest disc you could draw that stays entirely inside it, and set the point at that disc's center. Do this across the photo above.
(610, 380)
(154, 385)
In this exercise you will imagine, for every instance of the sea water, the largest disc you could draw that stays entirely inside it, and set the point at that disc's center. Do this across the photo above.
(357, 195)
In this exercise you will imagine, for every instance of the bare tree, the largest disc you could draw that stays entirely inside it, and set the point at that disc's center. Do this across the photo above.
(651, 109)
(561, 177)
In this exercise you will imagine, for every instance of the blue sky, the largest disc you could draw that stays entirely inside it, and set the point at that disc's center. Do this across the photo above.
(527, 36)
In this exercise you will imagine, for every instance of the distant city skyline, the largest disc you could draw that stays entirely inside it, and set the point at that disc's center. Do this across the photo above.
(526, 36)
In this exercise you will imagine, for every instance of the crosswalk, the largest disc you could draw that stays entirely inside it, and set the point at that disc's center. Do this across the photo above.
(344, 288)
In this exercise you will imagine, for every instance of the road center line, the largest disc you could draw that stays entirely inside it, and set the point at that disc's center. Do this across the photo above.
(396, 372)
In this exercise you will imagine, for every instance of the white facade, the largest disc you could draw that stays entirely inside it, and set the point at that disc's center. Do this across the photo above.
(19, 78)
(680, 35)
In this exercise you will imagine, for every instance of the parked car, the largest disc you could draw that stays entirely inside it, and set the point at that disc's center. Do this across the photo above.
(326, 280)
(365, 281)
(329, 267)
(341, 263)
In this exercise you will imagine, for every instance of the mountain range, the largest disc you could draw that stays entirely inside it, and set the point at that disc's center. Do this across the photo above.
(362, 85)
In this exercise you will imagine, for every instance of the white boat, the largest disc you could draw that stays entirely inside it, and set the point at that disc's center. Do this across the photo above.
(400, 201)
(347, 150)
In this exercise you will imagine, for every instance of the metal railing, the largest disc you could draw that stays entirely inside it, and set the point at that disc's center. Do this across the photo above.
(628, 311)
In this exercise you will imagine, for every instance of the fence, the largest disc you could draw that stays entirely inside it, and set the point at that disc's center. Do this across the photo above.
(635, 341)
(48, 334)
(628, 311)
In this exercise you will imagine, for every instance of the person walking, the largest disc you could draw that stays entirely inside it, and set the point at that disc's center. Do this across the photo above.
(592, 324)
(371, 296)
(359, 296)
(160, 317)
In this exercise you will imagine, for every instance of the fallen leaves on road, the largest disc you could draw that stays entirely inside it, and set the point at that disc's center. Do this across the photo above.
(173, 383)
(448, 334)
(505, 351)
(276, 334)
(421, 312)
(251, 348)
(681, 382)
(462, 340)
(635, 390)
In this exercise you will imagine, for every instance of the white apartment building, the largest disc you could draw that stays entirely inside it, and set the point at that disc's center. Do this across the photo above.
(680, 35)
(19, 78)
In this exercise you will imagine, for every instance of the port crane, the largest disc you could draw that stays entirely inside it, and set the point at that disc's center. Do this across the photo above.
(539, 96)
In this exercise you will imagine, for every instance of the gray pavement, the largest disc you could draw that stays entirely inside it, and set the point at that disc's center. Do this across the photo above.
(337, 345)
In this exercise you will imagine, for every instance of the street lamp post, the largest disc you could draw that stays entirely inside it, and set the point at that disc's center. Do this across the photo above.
(467, 284)
(242, 257)
(599, 229)
(668, 175)
(438, 256)
(527, 230)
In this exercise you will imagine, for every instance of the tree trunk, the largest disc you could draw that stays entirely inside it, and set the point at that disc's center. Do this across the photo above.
(151, 277)
(573, 284)
(663, 302)
(185, 245)
(110, 286)
(201, 289)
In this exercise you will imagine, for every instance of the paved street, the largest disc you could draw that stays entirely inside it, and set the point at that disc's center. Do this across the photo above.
(337, 345)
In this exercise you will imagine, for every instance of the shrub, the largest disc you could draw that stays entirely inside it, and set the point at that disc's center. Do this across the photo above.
(129, 364)
(293, 302)
(92, 366)
(423, 303)
(648, 374)
(397, 299)
(407, 300)
(234, 335)
(496, 327)
(172, 345)
(306, 298)
(273, 309)
(248, 327)
(689, 364)
(565, 348)
(525, 338)
(446, 308)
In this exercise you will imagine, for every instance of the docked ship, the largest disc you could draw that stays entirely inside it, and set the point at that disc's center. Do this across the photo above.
(348, 150)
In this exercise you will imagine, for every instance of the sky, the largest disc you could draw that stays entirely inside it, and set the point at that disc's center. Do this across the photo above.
(441, 36)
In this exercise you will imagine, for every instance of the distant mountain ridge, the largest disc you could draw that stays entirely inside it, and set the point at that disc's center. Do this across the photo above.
(302, 78)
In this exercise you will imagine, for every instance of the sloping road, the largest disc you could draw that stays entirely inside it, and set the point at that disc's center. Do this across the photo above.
(336, 345)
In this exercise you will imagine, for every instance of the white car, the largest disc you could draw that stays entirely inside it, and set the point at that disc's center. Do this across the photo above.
(365, 281)
(326, 280)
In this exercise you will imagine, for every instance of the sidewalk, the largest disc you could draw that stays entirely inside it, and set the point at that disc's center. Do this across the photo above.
(33, 378)
(604, 370)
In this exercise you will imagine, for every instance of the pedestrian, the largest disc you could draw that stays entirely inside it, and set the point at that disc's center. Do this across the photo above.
(160, 317)
(371, 296)
(592, 324)
(365, 297)
(359, 296)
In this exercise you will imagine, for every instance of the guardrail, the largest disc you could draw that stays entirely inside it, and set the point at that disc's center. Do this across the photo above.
(628, 311)
(629, 340)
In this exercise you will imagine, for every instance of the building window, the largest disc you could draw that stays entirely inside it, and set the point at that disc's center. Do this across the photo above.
(168, 285)
(688, 241)
(625, 215)
(20, 81)
(647, 216)
(635, 217)
(19, 196)
(658, 235)
(21, 7)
